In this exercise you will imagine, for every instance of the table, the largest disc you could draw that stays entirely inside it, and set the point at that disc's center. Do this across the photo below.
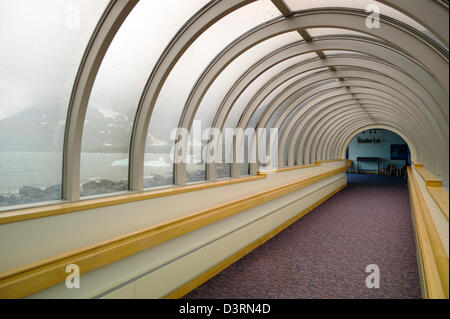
(368, 159)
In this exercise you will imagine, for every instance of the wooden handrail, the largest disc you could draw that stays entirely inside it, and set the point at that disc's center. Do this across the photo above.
(416, 164)
(318, 163)
(440, 197)
(37, 276)
(429, 178)
(330, 161)
(434, 188)
(291, 168)
(434, 260)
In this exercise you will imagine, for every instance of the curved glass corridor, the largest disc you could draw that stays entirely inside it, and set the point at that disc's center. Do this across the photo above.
(147, 145)
(97, 107)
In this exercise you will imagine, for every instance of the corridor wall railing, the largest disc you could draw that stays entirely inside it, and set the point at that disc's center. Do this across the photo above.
(38, 275)
(429, 204)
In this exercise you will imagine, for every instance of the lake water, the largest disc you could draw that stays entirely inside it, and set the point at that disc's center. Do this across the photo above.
(43, 169)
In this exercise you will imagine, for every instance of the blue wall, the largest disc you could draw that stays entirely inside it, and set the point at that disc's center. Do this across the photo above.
(381, 150)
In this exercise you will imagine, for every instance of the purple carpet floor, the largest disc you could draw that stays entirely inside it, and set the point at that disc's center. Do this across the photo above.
(325, 253)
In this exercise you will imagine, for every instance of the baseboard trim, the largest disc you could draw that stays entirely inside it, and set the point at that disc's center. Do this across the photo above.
(204, 277)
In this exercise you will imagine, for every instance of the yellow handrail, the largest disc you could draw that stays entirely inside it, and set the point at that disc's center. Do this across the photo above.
(434, 260)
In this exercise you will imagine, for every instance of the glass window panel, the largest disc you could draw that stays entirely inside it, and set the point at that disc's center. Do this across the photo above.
(269, 98)
(321, 32)
(337, 52)
(245, 167)
(195, 172)
(252, 89)
(245, 98)
(216, 93)
(117, 90)
(223, 170)
(230, 75)
(178, 85)
(210, 103)
(295, 110)
(41, 46)
(196, 168)
(296, 5)
(331, 52)
(297, 124)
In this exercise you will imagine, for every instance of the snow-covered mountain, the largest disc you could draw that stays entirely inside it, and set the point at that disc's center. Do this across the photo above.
(104, 130)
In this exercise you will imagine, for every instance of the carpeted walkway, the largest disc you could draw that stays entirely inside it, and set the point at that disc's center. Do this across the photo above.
(325, 254)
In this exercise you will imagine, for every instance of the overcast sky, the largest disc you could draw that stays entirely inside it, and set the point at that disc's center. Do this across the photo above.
(41, 45)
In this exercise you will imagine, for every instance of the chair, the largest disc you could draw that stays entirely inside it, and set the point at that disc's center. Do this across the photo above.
(352, 168)
(384, 168)
(392, 170)
(401, 171)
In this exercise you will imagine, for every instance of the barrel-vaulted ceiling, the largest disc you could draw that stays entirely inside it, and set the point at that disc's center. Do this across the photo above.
(322, 76)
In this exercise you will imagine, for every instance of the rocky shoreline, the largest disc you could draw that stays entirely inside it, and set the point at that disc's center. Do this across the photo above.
(32, 194)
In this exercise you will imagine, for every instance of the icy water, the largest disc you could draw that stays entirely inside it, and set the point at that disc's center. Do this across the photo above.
(43, 169)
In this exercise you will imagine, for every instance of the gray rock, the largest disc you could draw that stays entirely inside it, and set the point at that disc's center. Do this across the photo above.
(121, 186)
(160, 180)
(54, 189)
(102, 187)
(91, 188)
(31, 192)
(106, 183)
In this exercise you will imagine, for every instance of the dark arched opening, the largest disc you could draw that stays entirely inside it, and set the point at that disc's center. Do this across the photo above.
(378, 151)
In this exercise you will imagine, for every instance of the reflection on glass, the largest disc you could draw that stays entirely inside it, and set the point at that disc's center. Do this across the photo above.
(41, 46)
